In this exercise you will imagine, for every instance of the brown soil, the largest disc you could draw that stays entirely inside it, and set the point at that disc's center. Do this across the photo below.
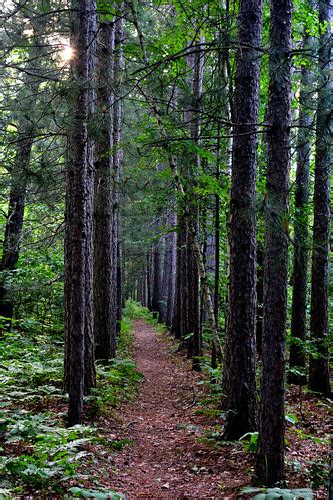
(166, 459)
(169, 457)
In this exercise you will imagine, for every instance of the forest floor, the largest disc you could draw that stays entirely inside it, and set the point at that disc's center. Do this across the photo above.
(157, 435)
(167, 460)
(176, 450)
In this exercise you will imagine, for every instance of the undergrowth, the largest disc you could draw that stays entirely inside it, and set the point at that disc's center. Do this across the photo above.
(38, 454)
(134, 310)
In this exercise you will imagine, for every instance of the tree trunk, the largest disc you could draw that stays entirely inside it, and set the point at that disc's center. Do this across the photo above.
(239, 369)
(78, 222)
(118, 111)
(191, 171)
(297, 360)
(104, 225)
(149, 281)
(168, 268)
(89, 340)
(270, 457)
(120, 287)
(177, 319)
(156, 291)
(319, 365)
(172, 272)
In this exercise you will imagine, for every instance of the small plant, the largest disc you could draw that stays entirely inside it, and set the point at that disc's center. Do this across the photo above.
(134, 310)
(51, 455)
(117, 382)
(250, 441)
(99, 494)
(318, 473)
(271, 493)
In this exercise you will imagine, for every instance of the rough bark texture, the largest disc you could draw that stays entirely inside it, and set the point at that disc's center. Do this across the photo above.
(319, 366)
(120, 291)
(300, 263)
(149, 282)
(78, 222)
(156, 290)
(89, 338)
(177, 323)
(239, 370)
(270, 458)
(118, 108)
(172, 271)
(168, 269)
(191, 170)
(104, 225)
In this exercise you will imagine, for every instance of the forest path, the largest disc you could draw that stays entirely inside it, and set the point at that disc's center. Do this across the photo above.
(166, 460)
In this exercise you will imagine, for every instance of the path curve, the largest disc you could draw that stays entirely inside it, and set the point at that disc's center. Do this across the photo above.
(166, 460)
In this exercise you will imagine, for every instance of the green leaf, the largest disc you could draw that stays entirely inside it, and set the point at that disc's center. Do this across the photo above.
(291, 418)
(250, 489)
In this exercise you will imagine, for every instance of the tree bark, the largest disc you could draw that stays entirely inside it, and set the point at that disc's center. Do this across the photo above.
(168, 269)
(191, 172)
(319, 365)
(239, 369)
(156, 291)
(104, 224)
(177, 319)
(149, 281)
(270, 457)
(120, 287)
(170, 299)
(78, 221)
(118, 111)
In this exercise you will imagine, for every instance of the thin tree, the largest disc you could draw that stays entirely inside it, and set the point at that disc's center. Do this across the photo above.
(118, 112)
(157, 276)
(192, 325)
(239, 369)
(297, 360)
(270, 457)
(319, 365)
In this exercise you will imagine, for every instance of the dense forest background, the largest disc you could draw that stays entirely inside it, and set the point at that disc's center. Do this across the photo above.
(174, 155)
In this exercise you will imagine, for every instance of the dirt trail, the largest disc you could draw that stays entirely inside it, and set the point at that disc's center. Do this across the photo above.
(166, 460)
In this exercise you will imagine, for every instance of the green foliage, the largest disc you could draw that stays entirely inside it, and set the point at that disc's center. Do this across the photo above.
(285, 494)
(210, 401)
(105, 10)
(250, 441)
(52, 453)
(213, 437)
(292, 419)
(38, 452)
(117, 382)
(98, 494)
(31, 369)
(318, 473)
(134, 310)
